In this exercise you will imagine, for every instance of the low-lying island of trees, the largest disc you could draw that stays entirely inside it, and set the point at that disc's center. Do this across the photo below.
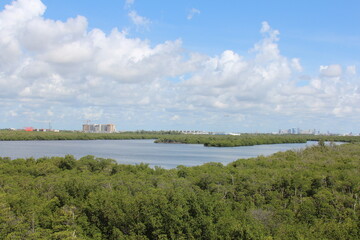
(250, 139)
(307, 194)
(207, 140)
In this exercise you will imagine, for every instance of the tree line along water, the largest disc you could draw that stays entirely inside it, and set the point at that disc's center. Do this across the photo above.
(176, 137)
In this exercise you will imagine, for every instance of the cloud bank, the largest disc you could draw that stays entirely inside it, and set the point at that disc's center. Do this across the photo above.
(62, 72)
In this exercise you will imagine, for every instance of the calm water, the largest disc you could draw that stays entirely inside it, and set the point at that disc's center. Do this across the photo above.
(137, 151)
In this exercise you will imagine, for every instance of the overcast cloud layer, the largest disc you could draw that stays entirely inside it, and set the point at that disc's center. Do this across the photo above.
(65, 73)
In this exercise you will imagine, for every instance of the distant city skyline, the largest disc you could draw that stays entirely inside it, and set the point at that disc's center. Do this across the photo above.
(111, 128)
(256, 66)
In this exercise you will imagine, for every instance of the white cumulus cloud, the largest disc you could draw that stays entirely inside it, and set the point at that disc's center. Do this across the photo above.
(334, 70)
(63, 71)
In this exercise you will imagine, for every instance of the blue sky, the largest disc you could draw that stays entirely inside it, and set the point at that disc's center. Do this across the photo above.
(319, 32)
(242, 66)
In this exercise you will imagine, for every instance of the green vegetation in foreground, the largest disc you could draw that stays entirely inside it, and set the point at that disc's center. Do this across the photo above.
(308, 194)
(176, 137)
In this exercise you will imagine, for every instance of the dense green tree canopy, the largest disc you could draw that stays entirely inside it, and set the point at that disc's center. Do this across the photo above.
(307, 194)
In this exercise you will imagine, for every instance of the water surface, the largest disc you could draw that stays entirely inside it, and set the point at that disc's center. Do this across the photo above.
(138, 151)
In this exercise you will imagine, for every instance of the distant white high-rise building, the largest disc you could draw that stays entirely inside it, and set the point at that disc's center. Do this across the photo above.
(99, 128)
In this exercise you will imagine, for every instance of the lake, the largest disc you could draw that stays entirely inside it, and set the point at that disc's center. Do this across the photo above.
(137, 151)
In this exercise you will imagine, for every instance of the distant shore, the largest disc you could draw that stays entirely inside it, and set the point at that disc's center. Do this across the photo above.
(170, 137)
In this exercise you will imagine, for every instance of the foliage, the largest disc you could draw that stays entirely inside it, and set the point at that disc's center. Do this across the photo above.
(207, 140)
(250, 139)
(7, 135)
(308, 194)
